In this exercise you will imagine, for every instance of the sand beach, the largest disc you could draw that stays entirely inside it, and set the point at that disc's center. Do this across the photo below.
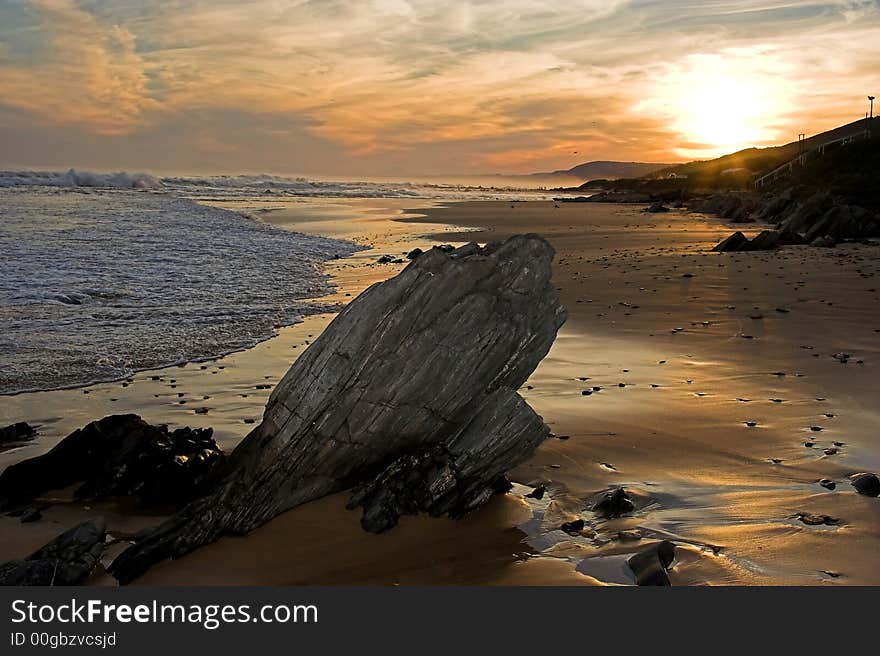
(712, 386)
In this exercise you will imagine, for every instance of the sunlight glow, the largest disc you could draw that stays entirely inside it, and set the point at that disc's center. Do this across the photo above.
(721, 104)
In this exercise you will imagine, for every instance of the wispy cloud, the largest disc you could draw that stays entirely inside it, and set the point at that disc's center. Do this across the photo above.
(361, 86)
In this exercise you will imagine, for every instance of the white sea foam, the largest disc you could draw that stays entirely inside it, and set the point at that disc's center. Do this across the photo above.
(105, 274)
(73, 178)
(96, 285)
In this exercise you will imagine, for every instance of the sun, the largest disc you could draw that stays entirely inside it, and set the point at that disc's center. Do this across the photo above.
(720, 104)
(724, 114)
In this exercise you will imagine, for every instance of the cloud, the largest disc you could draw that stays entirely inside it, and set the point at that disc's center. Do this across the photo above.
(90, 74)
(425, 85)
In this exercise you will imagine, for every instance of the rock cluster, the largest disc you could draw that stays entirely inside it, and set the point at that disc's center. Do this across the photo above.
(819, 220)
(119, 455)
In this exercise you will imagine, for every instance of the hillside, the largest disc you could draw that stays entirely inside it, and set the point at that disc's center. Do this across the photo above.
(607, 170)
(734, 171)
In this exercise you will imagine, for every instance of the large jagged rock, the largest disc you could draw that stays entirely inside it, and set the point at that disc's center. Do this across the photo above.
(66, 560)
(119, 455)
(409, 395)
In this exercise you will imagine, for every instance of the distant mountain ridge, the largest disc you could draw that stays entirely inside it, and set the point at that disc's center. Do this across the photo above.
(601, 170)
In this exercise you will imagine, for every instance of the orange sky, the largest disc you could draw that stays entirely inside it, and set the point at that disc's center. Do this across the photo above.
(419, 87)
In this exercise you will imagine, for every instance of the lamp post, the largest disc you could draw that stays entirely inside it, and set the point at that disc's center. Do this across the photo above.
(869, 118)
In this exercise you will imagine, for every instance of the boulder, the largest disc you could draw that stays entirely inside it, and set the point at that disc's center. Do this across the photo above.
(765, 240)
(774, 206)
(650, 564)
(66, 560)
(119, 455)
(408, 396)
(790, 238)
(823, 242)
(734, 242)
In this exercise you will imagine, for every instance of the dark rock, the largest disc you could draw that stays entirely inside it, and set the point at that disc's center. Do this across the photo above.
(66, 560)
(408, 397)
(817, 520)
(790, 238)
(656, 207)
(538, 492)
(735, 242)
(765, 240)
(866, 483)
(575, 526)
(823, 242)
(120, 455)
(414, 253)
(827, 483)
(31, 515)
(15, 433)
(650, 564)
(614, 503)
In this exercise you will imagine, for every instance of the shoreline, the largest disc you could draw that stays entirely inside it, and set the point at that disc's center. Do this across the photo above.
(673, 433)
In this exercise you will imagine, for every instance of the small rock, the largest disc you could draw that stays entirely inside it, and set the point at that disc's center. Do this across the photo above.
(537, 493)
(817, 520)
(656, 208)
(575, 526)
(827, 483)
(650, 565)
(31, 515)
(866, 483)
(614, 503)
(18, 432)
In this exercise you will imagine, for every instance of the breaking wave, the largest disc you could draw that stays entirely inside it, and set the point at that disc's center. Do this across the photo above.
(73, 178)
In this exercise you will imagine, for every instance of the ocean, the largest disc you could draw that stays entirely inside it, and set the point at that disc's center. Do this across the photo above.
(105, 275)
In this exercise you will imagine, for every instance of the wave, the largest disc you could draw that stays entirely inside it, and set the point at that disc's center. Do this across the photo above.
(74, 178)
(258, 186)
(99, 285)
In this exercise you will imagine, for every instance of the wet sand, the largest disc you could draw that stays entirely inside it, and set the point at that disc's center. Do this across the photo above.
(686, 346)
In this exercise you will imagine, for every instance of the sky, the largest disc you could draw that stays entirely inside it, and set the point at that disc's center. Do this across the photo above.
(406, 88)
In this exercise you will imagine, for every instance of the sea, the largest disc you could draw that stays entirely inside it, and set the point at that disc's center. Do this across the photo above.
(104, 275)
